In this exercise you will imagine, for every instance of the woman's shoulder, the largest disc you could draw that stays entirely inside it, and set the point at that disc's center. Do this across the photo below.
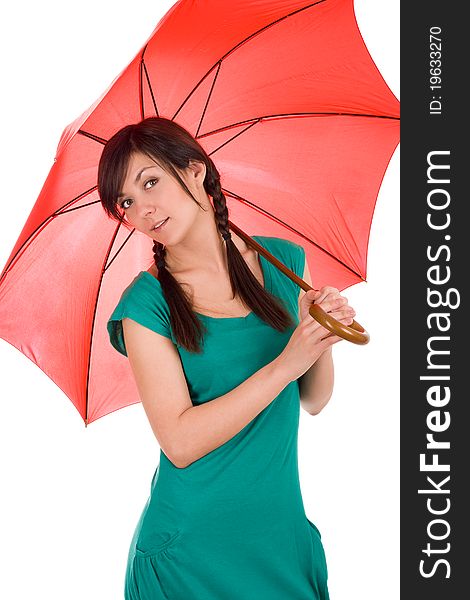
(153, 271)
(287, 251)
(278, 242)
(144, 291)
(142, 301)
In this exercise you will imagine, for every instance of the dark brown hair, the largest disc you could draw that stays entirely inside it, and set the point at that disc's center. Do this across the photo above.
(173, 146)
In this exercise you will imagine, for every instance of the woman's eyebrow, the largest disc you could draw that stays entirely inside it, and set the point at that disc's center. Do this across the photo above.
(139, 174)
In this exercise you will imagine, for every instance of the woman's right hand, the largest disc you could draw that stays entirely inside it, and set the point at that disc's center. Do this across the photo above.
(310, 339)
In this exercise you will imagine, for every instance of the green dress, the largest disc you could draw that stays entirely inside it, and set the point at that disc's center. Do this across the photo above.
(231, 525)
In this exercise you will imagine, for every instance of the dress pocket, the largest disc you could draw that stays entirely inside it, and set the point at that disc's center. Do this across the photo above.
(145, 549)
(314, 527)
(319, 564)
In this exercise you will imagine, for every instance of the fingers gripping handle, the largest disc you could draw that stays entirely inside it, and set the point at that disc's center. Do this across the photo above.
(354, 333)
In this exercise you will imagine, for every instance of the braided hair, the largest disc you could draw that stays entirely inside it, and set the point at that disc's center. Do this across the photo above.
(172, 145)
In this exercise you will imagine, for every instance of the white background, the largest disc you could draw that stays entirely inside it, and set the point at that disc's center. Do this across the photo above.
(72, 495)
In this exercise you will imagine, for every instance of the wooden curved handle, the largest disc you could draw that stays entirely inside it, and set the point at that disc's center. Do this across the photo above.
(354, 333)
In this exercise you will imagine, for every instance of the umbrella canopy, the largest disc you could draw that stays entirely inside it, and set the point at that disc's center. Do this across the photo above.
(284, 97)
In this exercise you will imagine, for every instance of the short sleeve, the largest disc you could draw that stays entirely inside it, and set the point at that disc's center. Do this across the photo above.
(289, 253)
(293, 256)
(296, 263)
(143, 302)
(298, 259)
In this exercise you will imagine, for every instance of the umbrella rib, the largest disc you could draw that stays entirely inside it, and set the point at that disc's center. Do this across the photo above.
(276, 116)
(118, 251)
(232, 138)
(208, 98)
(141, 90)
(346, 225)
(287, 226)
(244, 41)
(95, 310)
(92, 136)
(63, 212)
(43, 224)
(144, 67)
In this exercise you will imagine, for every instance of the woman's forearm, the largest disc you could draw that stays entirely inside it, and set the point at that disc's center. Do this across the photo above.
(316, 384)
(207, 426)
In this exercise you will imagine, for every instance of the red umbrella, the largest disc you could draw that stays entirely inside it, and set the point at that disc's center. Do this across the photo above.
(285, 98)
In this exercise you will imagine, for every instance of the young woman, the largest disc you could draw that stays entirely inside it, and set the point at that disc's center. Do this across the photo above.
(224, 352)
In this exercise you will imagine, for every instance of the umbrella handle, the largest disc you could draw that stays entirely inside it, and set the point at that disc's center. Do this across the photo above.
(354, 333)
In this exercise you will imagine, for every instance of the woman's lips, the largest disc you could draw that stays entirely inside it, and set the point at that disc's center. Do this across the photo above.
(160, 226)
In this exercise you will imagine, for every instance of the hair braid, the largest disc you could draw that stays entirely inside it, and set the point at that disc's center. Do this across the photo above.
(244, 283)
(159, 252)
(213, 187)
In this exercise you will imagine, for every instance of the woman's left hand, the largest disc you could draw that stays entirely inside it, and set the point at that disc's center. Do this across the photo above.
(330, 299)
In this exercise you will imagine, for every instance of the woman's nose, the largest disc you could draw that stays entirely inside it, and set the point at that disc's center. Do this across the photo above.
(146, 210)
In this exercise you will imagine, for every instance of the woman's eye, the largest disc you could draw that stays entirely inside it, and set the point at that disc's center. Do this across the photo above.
(149, 180)
(145, 184)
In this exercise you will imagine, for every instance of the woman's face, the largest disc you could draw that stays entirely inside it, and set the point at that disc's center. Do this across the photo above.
(150, 195)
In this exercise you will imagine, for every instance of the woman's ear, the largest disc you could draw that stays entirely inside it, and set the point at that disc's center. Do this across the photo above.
(198, 171)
